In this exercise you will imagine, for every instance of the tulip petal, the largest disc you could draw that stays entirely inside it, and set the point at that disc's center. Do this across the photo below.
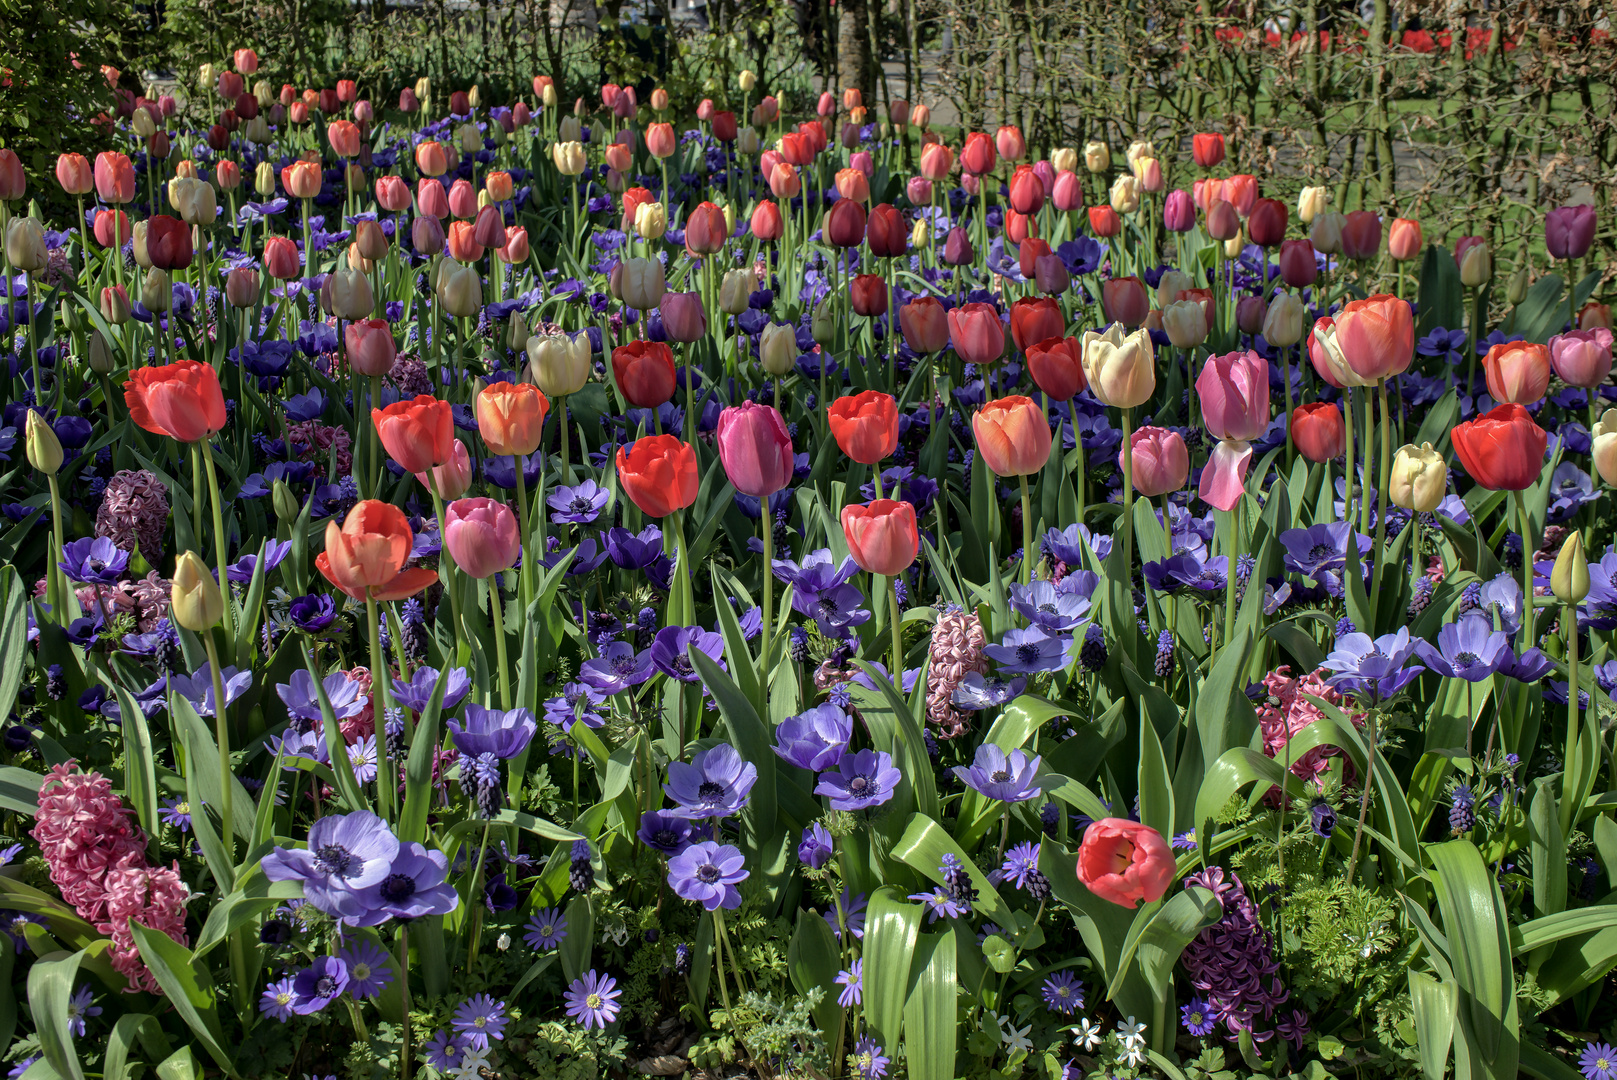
(1223, 480)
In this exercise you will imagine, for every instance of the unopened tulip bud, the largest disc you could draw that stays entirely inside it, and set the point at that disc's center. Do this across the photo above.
(823, 324)
(115, 307)
(1283, 322)
(651, 220)
(1516, 288)
(1185, 323)
(516, 333)
(559, 364)
(156, 293)
(285, 503)
(1569, 580)
(1097, 157)
(1326, 232)
(1125, 194)
(347, 295)
(25, 244)
(143, 123)
(1603, 448)
(1476, 262)
(44, 448)
(747, 80)
(195, 601)
(918, 233)
(777, 349)
(98, 356)
(264, 179)
(460, 290)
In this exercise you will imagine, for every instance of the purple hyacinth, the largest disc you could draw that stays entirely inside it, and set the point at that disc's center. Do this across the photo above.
(1231, 964)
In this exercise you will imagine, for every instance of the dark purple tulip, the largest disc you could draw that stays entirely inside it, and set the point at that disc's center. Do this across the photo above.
(1569, 231)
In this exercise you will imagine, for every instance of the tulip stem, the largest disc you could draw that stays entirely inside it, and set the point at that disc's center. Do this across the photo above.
(1476, 338)
(1383, 501)
(56, 585)
(1285, 374)
(1027, 533)
(386, 785)
(1234, 555)
(376, 439)
(1528, 619)
(220, 542)
(1369, 420)
(496, 615)
(525, 575)
(446, 561)
(1569, 810)
(404, 989)
(1364, 794)
(766, 526)
(1128, 500)
(222, 732)
(897, 631)
(561, 420)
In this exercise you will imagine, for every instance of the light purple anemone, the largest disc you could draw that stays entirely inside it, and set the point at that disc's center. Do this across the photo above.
(862, 780)
(299, 696)
(717, 783)
(998, 775)
(670, 650)
(414, 886)
(708, 873)
(346, 855)
(815, 739)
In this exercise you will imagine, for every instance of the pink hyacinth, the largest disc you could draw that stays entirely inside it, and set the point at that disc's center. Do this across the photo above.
(957, 650)
(1286, 710)
(97, 859)
(153, 896)
(307, 441)
(83, 831)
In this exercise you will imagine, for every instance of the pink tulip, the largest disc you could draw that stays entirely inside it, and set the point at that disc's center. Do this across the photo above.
(976, 332)
(482, 536)
(454, 476)
(1582, 357)
(755, 449)
(1161, 461)
(1234, 394)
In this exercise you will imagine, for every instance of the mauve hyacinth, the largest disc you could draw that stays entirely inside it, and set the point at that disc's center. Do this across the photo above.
(956, 650)
(134, 511)
(1285, 710)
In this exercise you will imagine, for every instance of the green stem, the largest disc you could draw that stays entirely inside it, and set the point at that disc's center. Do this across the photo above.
(1128, 498)
(386, 784)
(1027, 533)
(522, 527)
(898, 632)
(497, 618)
(1383, 502)
(1364, 796)
(55, 585)
(227, 824)
(220, 545)
(1528, 618)
(404, 990)
(446, 564)
(196, 496)
(766, 526)
(1229, 576)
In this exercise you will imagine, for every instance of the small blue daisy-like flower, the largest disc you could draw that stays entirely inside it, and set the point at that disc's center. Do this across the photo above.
(1197, 1017)
(1598, 1062)
(1063, 994)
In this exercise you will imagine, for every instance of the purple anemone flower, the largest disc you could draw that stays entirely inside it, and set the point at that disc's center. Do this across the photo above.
(815, 739)
(997, 775)
(592, 999)
(302, 700)
(347, 854)
(416, 694)
(491, 731)
(578, 505)
(93, 561)
(275, 553)
(1470, 649)
(1051, 609)
(707, 873)
(312, 614)
(862, 780)
(977, 692)
(369, 969)
(317, 985)
(715, 784)
(414, 887)
(1373, 670)
(1029, 651)
(816, 846)
(1319, 549)
(634, 551)
(479, 1019)
(664, 832)
(669, 650)
(618, 668)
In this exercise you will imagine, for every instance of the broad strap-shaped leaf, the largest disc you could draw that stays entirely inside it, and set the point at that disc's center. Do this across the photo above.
(189, 988)
(930, 1032)
(1475, 923)
(891, 927)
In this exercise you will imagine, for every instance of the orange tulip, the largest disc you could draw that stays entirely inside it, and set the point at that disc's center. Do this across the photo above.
(1377, 336)
(865, 425)
(659, 474)
(418, 433)
(365, 557)
(511, 417)
(301, 179)
(1517, 371)
(431, 159)
(181, 400)
(1013, 436)
(882, 536)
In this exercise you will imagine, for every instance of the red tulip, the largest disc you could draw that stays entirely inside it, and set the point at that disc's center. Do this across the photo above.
(1241, 192)
(1012, 436)
(1027, 190)
(706, 231)
(114, 178)
(845, 224)
(644, 371)
(1298, 267)
(1207, 149)
(1160, 461)
(168, 242)
(659, 474)
(1377, 336)
(1125, 300)
(1028, 253)
(977, 156)
(1057, 367)
(925, 324)
(1318, 431)
(767, 224)
(977, 334)
(868, 293)
(1035, 319)
(1503, 450)
(371, 350)
(1125, 862)
(392, 193)
(112, 228)
(281, 258)
(1361, 235)
(75, 173)
(180, 400)
(1266, 225)
(1517, 371)
(482, 536)
(1104, 222)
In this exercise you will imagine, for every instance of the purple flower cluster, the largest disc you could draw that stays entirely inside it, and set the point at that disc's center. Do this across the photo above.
(356, 870)
(1232, 964)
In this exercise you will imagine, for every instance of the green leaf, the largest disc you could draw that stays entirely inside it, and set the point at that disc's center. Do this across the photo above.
(8, 992)
(50, 988)
(813, 959)
(574, 949)
(189, 989)
(918, 770)
(892, 925)
(1155, 784)
(1435, 1004)
(19, 790)
(1223, 714)
(130, 1028)
(140, 768)
(1548, 849)
(1539, 1063)
(257, 895)
(1475, 923)
(418, 767)
(930, 1032)
(1543, 310)
(1103, 925)
(203, 759)
(13, 636)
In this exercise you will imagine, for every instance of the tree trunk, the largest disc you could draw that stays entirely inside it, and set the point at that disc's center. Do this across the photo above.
(853, 48)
